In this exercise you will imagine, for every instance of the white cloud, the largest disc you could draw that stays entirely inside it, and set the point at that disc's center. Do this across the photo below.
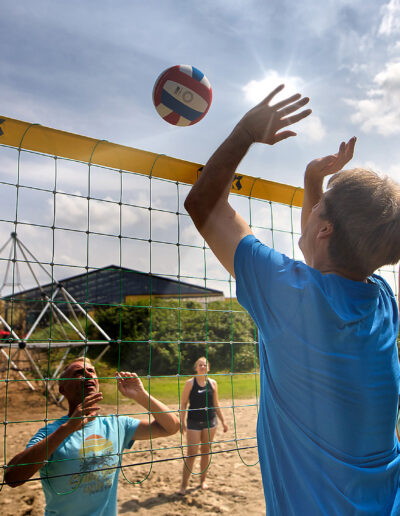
(72, 212)
(390, 23)
(190, 234)
(311, 127)
(393, 171)
(255, 90)
(380, 109)
(370, 165)
(390, 78)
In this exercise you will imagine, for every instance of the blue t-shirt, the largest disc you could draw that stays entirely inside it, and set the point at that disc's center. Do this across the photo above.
(95, 447)
(329, 386)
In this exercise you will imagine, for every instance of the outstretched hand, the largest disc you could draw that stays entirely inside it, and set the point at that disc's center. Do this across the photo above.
(263, 122)
(321, 167)
(85, 412)
(130, 385)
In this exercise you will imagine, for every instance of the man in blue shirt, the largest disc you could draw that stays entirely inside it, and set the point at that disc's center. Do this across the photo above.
(79, 454)
(327, 328)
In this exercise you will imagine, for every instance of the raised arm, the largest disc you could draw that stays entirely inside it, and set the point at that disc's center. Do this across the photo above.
(315, 173)
(207, 202)
(165, 421)
(26, 463)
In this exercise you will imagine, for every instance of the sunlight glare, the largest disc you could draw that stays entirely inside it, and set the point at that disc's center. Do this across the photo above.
(256, 90)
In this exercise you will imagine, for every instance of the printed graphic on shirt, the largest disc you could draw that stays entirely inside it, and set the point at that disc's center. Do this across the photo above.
(96, 457)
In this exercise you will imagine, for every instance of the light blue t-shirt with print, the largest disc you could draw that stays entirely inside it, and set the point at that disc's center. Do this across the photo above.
(83, 468)
(329, 377)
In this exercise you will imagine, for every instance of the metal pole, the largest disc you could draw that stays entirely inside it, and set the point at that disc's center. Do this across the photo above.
(33, 364)
(33, 328)
(16, 368)
(86, 314)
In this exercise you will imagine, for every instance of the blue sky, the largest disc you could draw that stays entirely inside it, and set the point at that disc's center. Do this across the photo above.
(89, 67)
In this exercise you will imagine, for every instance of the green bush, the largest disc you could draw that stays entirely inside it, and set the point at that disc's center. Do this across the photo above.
(170, 336)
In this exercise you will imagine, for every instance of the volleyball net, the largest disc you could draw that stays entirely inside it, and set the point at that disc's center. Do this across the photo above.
(98, 258)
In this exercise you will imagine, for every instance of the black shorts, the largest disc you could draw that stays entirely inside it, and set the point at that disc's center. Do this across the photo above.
(201, 425)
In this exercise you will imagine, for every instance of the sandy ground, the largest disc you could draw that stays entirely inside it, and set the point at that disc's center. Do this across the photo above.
(234, 487)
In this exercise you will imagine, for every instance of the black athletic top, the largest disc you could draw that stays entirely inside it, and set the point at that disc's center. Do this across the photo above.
(201, 398)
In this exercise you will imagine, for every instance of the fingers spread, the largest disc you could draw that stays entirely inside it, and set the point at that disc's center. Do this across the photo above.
(90, 402)
(97, 396)
(125, 374)
(293, 107)
(283, 135)
(346, 151)
(94, 396)
(295, 118)
(350, 146)
(89, 411)
(271, 95)
(290, 100)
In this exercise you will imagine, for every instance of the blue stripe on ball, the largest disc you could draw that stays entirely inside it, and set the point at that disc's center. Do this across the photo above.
(196, 74)
(180, 108)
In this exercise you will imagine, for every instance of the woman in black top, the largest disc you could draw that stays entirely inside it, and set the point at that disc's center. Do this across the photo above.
(202, 395)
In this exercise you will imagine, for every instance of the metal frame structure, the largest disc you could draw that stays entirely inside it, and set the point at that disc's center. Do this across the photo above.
(17, 344)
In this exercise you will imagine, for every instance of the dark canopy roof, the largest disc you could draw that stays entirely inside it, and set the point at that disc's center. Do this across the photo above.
(111, 285)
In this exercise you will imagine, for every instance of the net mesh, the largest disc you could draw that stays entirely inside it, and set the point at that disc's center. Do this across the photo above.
(105, 263)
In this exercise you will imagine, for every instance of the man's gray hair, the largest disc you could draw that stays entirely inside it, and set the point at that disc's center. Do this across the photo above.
(84, 359)
(364, 209)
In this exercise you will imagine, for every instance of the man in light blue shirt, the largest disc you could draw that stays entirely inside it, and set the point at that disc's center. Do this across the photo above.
(327, 328)
(79, 454)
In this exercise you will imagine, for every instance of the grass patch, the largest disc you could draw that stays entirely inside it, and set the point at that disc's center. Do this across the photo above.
(166, 389)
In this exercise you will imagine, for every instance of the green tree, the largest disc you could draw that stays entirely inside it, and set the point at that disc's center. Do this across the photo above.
(168, 336)
(126, 326)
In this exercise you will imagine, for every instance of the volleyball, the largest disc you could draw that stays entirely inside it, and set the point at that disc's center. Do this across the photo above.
(182, 95)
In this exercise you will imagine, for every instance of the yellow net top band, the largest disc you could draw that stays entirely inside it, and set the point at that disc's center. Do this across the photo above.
(37, 138)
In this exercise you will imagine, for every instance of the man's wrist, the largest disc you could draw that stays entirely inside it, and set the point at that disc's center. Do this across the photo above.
(313, 181)
(243, 135)
(69, 426)
(142, 398)
(314, 176)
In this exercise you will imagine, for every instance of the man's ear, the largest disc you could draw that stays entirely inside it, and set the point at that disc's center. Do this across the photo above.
(326, 230)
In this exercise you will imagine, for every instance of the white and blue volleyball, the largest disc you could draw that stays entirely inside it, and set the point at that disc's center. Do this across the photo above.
(182, 95)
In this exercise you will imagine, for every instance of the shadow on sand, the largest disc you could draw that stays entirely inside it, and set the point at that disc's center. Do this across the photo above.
(161, 499)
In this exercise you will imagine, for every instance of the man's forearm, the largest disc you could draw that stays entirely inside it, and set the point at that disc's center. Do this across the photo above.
(264, 124)
(161, 413)
(24, 465)
(214, 183)
(312, 195)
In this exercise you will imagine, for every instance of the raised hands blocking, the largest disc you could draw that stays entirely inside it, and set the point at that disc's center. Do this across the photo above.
(315, 172)
(263, 122)
(85, 412)
(321, 167)
(130, 385)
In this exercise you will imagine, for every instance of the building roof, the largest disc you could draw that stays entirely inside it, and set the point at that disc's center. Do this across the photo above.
(111, 285)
